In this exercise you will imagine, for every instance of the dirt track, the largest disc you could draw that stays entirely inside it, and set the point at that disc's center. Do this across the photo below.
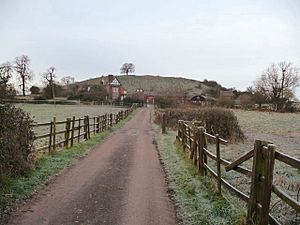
(120, 182)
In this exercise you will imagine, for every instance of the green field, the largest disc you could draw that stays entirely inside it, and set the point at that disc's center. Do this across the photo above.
(43, 113)
(282, 129)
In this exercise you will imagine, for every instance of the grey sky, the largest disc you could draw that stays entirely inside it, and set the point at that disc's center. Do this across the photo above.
(230, 41)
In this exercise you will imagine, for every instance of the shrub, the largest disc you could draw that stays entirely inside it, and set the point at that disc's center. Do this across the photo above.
(165, 102)
(216, 120)
(39, 97)
(16, 141)
(225, 103)
(7, 92)
(34, 90)
(47, 91)
(94, 93)
(131, 100)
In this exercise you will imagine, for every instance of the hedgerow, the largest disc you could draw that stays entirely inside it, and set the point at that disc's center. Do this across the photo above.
(16, 141)
(216, 120)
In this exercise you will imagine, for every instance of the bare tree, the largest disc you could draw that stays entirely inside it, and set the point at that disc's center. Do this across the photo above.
(67, 80)
(278, 82)
(49, 76)
(127, 68)
(22, 68)
(6, 71)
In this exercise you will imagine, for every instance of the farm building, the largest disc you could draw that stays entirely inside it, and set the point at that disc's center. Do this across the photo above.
(201, 99)
(114, 88)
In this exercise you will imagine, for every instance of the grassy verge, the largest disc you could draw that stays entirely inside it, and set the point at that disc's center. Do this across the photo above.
(21, 188)
(196, 196)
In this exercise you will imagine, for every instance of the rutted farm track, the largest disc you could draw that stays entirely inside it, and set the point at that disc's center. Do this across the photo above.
(120, 182)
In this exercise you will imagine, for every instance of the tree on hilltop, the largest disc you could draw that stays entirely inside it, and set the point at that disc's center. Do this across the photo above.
(128, 68)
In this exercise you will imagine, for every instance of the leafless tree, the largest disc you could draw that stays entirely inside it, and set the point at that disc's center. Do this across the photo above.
(6, 71)
(128, 68)
(22, 68)
(68, 80)
(49, 76)
(278, 82)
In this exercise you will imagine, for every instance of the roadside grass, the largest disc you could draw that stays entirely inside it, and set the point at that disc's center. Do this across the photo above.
(23, 187)
(198, 200)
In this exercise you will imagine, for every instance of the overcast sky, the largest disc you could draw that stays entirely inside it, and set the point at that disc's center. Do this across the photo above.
(230, 41)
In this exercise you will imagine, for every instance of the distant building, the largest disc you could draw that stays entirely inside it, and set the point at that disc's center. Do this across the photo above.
(150, 97)
(226, 95)
(198, 98)
(202, 100)
(114, 88)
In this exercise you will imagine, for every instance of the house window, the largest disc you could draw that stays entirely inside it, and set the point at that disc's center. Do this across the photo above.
(115, 89)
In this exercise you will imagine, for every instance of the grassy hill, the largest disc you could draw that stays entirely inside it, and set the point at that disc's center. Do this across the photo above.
(158, 84)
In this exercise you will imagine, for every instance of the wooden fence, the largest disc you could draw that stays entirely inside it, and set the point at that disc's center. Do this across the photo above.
(66, 133)
(194, 140)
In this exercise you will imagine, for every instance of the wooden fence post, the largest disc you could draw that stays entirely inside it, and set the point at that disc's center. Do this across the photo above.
(219, 178)
(189, 137)
(196, 144)
(201, 138)
(72, 131)
(192, 143)
(50, 136)
(183, 135)
(102, 123)
(67, 132)
(54, 133)
(110, 120)
(79, 128)
(261, 184)
(94, 125)
(163, 124)
(98, 124)
(88, 127)
(105, 121)
(85, 128)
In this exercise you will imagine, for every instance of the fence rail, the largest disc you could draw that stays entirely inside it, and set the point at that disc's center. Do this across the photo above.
(65, 133)
(194, 140)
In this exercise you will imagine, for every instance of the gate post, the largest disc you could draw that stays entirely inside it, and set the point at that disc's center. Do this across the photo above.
(201, 137)
(261, 184)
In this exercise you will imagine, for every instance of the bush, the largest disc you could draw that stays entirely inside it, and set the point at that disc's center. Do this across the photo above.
(34, 90)
(165, 102)
(39, 97)
(16, 141)
(96, 93)
(216, 120)
(225, 103)
(131, 100)
(47, 91)
(7, 92)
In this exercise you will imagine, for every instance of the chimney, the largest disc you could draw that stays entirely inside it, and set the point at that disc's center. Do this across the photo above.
(110, 78)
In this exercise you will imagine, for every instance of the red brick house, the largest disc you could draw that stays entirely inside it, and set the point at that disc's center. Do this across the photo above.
(115, 89)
